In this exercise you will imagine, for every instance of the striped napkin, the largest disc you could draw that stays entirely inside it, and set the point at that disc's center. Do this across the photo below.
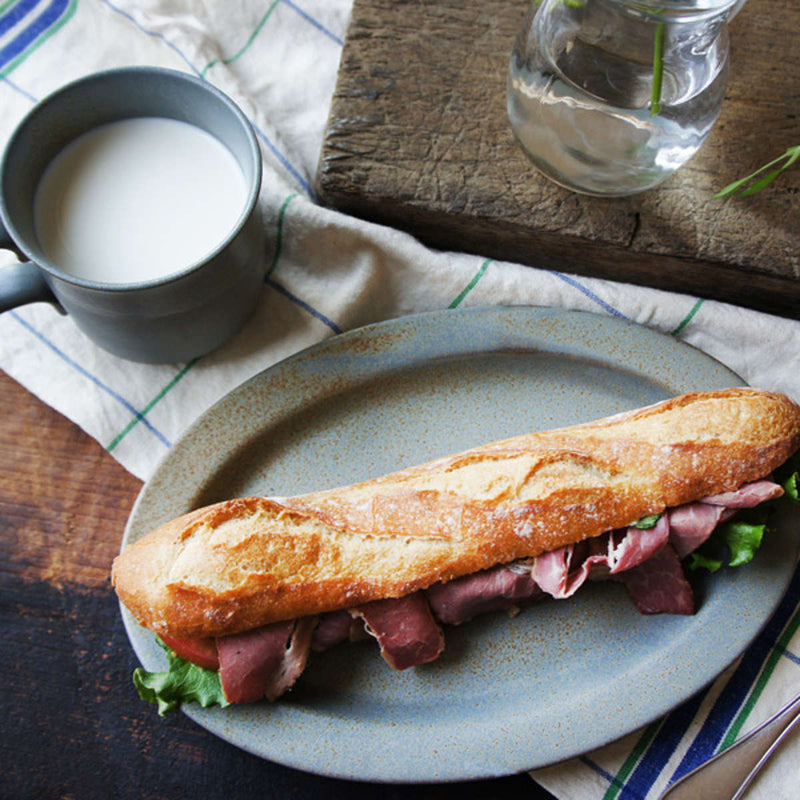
(329, 273)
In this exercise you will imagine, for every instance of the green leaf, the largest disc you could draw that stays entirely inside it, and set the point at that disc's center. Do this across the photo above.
(791, 488)
(645, 523)
(733, 543)
(741, 188)
(736, 542)
(742, 540)
(700, 561)
(794, 154)
(182, 682)
(762, 183)
(788, 476)
(732, 188)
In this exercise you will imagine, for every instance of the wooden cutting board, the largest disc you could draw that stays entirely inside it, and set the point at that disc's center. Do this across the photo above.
(418, 138)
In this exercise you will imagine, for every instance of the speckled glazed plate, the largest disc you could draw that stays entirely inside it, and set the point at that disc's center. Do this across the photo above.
(507, 695)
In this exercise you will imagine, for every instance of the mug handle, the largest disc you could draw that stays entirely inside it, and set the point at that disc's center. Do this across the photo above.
(21, 283)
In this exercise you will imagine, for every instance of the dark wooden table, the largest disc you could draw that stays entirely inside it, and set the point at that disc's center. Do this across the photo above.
(72, 724)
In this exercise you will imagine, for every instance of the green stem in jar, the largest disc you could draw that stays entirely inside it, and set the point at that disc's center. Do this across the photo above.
(658, 69)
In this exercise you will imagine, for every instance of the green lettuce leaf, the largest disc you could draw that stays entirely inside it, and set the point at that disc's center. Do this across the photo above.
(182, 682)
(742, 540)
(645, 523)
(788, 476)
(791, 486)
(697, 560)
(734, 543)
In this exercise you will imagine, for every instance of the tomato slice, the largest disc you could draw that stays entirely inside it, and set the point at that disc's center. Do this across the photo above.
(201, 651)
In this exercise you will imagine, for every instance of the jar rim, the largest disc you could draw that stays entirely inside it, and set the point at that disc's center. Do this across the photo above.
(683, 6)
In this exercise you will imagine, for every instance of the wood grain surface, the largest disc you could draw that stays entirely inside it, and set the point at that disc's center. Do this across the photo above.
(73, 726)
(418, 138)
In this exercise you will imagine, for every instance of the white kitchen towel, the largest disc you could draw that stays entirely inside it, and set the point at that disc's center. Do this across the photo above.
(328, 273)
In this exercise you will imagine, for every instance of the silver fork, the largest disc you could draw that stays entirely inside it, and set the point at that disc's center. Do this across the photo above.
(727, 775)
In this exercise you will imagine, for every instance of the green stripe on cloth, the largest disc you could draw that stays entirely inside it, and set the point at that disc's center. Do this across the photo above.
(279, 235)
(163, 393)
(40, 39)
(243, 49)
(688, 318)
(618, 781)
(471, 285)
(766, 673)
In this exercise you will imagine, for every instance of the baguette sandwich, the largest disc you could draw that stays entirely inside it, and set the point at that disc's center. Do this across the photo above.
(240, 593)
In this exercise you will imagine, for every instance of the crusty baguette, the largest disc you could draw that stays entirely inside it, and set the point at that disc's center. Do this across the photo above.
(239, 564)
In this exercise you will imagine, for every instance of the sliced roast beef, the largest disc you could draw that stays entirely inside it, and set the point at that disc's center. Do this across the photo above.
(555, 574)
(692, 524)
(636, 545)
(659, 585)
(562, 572)
(337, 627)
(747, 496)
(405, 629)
(294, 659)
(503, 588)
(264, 662)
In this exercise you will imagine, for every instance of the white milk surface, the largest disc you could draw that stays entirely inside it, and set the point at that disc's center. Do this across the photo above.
(137, 200)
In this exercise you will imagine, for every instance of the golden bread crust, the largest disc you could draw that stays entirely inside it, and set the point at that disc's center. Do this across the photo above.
(243, 563)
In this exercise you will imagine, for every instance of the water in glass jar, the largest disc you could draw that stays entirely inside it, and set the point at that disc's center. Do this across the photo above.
(581, 97)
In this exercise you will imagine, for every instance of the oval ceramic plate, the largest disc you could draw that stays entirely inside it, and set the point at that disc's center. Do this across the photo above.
(507, 695)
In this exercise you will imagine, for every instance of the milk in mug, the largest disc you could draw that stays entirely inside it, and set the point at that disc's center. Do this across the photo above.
(138, 200)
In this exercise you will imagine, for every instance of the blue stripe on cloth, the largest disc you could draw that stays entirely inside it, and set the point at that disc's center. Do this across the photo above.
(738, 687)
(661, 749)
(314, 22)
(153, 34)
(285, 161)
(305, 306)
(791, 656)
(15, 13)
(93, 378)
(595, 767)
(31, 32)
(18, 89)
(278, 154)
(589, 293)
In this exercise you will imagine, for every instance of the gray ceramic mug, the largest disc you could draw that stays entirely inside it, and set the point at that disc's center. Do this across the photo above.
(176, 318)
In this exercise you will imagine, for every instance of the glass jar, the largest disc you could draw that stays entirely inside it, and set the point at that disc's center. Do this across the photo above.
(610, 97)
